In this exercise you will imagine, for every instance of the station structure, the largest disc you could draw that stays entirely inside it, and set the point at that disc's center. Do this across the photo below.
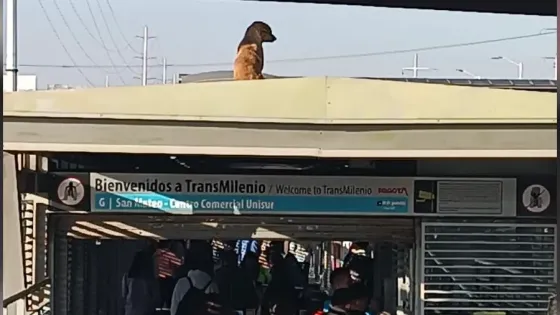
(496, 140)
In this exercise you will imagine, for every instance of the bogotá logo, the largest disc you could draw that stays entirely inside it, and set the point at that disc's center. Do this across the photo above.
(70, 191)
(536, 198)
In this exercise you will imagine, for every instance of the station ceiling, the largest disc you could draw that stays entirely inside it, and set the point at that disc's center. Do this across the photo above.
(539, 7)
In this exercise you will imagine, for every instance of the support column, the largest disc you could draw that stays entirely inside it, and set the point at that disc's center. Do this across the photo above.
(12, 247)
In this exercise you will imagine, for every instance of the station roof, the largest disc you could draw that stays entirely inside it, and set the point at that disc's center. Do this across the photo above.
(515, 84)
(543, 7)
(315, 100)
(319, 117)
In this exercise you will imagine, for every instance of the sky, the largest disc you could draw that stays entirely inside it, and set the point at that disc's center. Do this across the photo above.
(207, 32)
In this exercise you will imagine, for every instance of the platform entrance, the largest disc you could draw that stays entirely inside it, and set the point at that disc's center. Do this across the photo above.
(94, 251)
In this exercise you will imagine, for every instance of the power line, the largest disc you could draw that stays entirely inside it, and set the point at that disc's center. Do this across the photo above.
(103, 42)
(113, 39)
(119, 29)
(62, 44)
(319, 58)
(73, 35)
(79, 17)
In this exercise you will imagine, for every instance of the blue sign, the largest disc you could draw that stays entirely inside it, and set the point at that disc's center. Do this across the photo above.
(208, 194)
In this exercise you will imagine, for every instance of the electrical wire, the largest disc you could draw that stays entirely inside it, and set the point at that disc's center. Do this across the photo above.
(62, 44)
(84, 24)
(103, 43)
(96, 66)
(119, 29)
(123, 59)
(319, 58)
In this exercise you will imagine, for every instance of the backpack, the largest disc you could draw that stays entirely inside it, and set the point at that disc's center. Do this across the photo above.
(193, 299)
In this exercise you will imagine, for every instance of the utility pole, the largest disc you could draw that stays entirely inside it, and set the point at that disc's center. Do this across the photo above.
(555, 65)
(415, 68)
(144, 57)
(11, 44)
(164, 71)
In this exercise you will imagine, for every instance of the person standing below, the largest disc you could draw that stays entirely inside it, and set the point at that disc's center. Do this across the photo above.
(227, 277)
(200, 276)
(167, 259)
(339, 279)
(139, 286)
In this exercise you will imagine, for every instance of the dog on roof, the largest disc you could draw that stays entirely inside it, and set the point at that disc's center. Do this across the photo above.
(249, 61)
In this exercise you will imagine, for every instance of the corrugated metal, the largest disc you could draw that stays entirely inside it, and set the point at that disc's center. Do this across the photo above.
(60, 274)
(92, 283)
(87, 274)
(475, 267)
(108, 262)
(77, 277)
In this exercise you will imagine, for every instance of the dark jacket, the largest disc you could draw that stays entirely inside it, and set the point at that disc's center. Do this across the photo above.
(140, 295)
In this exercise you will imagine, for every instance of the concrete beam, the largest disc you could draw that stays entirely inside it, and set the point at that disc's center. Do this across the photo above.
(296, 100)
(382, 141)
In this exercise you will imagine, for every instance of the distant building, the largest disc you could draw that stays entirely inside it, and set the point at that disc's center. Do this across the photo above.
(59, 86)
(26, 82)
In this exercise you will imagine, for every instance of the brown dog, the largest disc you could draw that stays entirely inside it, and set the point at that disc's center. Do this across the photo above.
(249, 61)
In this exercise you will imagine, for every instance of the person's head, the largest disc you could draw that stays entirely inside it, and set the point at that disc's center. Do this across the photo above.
(250, 264)
(200, 256)
(359, 299)
(150, 247)
(340, 278)
(142, 265)
(164, 244)
(228, 258)
(275, 258)
(340, 298)
(353, 298)
(291, 259)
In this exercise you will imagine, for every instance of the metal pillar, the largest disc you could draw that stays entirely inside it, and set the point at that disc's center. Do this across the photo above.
(11, 44)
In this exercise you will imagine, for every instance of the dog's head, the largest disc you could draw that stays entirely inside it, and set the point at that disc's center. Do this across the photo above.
(261, 31)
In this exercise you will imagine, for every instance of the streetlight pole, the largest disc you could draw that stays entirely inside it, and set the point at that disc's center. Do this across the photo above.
(548, 30)
(11, 44)
(518, 64)
(470, 74)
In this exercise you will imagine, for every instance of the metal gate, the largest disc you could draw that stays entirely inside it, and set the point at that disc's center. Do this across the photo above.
(503, 268)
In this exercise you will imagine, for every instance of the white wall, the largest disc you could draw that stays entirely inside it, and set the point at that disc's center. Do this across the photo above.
(25, 83)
